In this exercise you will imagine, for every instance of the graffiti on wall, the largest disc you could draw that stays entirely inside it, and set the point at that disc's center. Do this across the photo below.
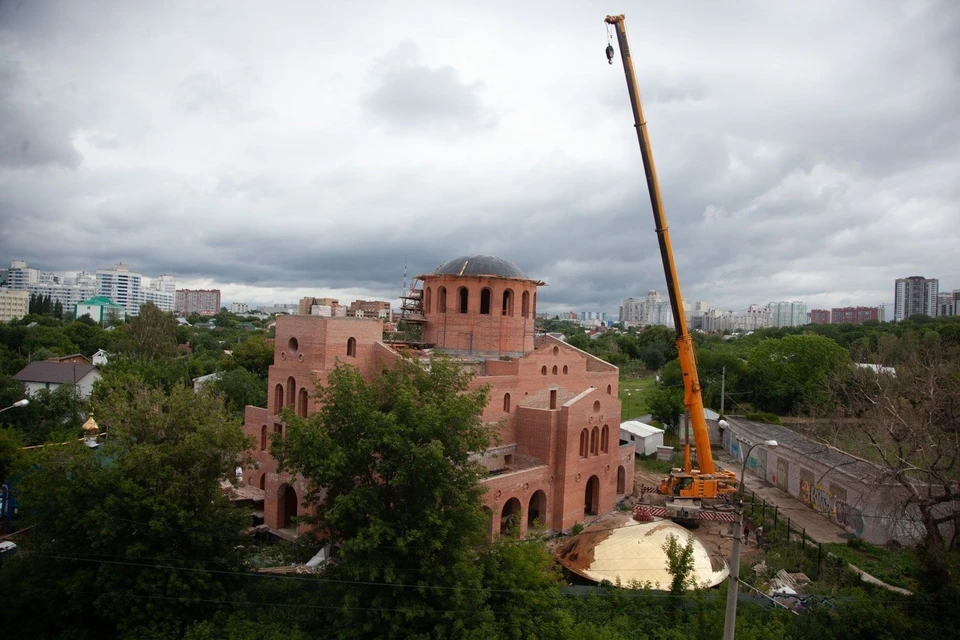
(848, 516)
(832, 503)
(783, 474)
(806, 484)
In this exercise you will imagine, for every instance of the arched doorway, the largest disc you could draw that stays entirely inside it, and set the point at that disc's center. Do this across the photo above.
(537, 511)
(510, 516)
(263, 481)
(287, 503)
(591, 499)
(621, 480)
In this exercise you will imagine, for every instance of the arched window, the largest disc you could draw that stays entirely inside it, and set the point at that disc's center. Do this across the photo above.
(604, 439)
(464, 299)
(621, 480)
(533, 311)
(302, 403)
(506, 402)
(565, 370)
(427, 299)
(442, 300)
(594, 441)
(291, 391)
(352, 347)
(543, 370)
(525, 304)
(583, 443)
(278, 398)
(485, 301)
(263, 438)
(609, 389)
(554, 369)
(508, 302)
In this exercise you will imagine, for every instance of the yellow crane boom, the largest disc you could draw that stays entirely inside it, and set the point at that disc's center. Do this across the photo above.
(706, 481)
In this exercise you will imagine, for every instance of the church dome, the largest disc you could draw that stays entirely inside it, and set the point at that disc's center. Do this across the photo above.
(480, 265)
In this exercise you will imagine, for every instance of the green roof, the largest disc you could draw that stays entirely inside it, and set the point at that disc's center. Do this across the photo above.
(101, 301)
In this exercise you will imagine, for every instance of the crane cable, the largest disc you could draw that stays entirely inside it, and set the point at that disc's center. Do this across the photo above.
(609, 43)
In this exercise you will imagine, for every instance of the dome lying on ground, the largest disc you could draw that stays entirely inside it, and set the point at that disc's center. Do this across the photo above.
(632, 552)
(480, 265)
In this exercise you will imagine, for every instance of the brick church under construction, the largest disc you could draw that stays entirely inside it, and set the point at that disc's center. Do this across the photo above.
(558, 459)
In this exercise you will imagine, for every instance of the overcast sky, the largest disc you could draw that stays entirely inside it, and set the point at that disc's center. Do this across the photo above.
(806, 150)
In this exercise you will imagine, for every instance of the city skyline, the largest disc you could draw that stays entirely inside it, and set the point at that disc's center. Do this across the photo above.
(208, 147)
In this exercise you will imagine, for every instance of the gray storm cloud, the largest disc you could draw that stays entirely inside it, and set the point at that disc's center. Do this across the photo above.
(805, 152)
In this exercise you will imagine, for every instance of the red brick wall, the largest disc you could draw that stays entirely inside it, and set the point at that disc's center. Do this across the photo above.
(585, 397)
(472, 332)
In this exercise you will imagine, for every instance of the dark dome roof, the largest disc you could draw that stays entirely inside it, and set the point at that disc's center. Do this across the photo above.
(479, 265)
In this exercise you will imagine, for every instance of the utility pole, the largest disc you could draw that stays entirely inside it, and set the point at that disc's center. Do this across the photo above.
(723, 390)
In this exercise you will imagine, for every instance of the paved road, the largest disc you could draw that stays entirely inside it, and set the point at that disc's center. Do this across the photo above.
(818, 527)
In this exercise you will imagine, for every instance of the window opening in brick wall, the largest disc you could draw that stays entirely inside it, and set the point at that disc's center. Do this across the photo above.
(507, 309)
(506, 402)
(484, 301)
(442, 300)
(352, 347)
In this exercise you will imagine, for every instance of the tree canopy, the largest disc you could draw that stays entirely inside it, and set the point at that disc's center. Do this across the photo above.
(389, 473)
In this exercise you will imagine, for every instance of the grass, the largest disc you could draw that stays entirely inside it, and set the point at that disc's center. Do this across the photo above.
(650, 463)
(898, 567)
(634, 394)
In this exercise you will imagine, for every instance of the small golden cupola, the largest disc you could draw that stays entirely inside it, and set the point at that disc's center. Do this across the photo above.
(90, 431)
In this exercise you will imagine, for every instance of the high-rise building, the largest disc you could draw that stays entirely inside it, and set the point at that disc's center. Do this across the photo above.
(239, 307)
(948, 304)
(121, 285)
(854, 315)
(630, 311)
(915, 295)
(204, 302)
(788, 314)
(819, 316)
(14, 304)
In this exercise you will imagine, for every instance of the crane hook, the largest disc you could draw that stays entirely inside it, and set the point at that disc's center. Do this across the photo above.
(610, 53)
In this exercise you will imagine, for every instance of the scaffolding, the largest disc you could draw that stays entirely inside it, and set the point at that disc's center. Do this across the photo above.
(409, 331)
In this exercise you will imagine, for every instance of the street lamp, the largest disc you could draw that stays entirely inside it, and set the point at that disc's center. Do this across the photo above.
(730, 619)
(18, 403)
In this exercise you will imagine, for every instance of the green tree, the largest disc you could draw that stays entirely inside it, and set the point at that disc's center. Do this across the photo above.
(789, 376)
(679, 564)
(135, 539)
(388, 468)
(239, 388)
(150, 335)
(666, 406)
(11, 455)
(255, 355)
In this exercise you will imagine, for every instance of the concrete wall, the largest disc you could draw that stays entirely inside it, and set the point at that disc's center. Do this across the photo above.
(833, 484)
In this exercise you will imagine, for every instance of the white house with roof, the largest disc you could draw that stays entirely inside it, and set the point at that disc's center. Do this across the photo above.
(51, 375)
(644, 437)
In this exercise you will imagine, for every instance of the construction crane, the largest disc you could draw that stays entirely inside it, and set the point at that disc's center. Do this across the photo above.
(685, 487)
